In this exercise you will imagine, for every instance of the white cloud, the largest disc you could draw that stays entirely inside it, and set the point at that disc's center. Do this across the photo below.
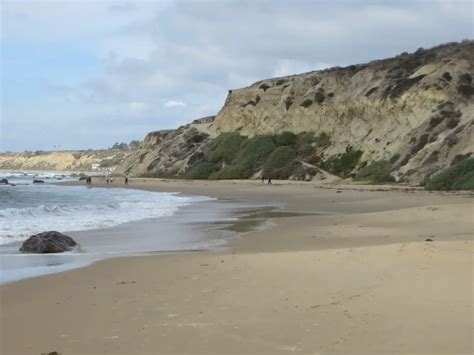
(173, 103)
(132, 61)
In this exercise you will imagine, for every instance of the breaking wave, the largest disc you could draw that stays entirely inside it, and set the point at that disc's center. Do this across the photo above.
(29, 209)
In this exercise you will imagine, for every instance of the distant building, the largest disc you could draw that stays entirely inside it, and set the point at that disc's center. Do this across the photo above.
(97, 167)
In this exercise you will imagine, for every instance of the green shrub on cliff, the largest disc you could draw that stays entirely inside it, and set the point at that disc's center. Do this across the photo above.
(304, 143)
(286, 138)
(254, 151)
(280, 163)
(229, 172)
(226, 147)
(343, 164)
(457, 177)
(202, 170)
(323, 140)
(376, 172)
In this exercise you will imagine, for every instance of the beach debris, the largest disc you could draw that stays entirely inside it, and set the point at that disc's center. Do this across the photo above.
(38, 181)
(125, 282)
(51, 353)
(428, 240)
(204, 264)
(48, 242)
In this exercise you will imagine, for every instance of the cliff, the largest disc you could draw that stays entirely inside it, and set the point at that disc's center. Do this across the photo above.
(406, 118)
(415, 110)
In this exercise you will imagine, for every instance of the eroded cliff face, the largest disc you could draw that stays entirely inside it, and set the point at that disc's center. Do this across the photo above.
(415, 110)
(168, 153)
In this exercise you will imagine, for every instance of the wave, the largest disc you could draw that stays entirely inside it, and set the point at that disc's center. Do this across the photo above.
(24, 177)
(87, 209)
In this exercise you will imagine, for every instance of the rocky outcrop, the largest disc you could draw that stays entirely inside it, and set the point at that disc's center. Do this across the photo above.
(48, 242)
(415, 110)
(168, 153)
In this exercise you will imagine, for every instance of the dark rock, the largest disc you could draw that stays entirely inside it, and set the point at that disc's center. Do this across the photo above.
(307, 103)
(4, 181)
(37, 181)
(48, 242)
(428, 240)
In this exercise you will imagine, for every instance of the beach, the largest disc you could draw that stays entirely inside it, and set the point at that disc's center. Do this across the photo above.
(345, 269)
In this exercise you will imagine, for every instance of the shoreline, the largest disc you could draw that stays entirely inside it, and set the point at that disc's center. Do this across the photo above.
(202, 224)
(356, 275)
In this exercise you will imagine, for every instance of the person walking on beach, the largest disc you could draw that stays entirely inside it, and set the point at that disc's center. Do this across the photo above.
(263, 179)
(126, 180)
(269, 181)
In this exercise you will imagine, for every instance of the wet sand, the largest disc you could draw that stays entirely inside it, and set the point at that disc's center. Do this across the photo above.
(345, 271)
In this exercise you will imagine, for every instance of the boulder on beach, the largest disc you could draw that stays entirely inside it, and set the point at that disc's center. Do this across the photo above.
(37, 181)
(48, 242)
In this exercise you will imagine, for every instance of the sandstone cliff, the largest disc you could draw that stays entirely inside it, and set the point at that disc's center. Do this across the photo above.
(413, 114)
(168, 153)
(415, 110)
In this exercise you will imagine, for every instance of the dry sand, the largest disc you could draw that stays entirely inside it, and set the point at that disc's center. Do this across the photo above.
(356, 277)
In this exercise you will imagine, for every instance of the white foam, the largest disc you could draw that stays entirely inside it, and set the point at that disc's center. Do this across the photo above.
(79, 208)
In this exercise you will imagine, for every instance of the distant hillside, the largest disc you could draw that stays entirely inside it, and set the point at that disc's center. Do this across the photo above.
(62, 161)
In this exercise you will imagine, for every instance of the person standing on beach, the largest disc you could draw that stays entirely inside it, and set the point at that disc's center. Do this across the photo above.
(263, 179)
(126, 180)
(269, 181)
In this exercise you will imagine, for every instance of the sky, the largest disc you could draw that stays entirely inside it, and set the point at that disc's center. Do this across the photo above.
(80, 74)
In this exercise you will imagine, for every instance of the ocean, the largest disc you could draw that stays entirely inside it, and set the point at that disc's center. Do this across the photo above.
(106, 222)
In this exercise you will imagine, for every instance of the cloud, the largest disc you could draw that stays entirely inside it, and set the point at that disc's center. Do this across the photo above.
(173, 103)
(126, 62)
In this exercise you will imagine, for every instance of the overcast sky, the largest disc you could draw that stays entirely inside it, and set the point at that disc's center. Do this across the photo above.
(85, 74)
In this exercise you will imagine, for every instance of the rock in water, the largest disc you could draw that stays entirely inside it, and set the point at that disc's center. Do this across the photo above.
(48, 242)
(4, 181)
(36, 181)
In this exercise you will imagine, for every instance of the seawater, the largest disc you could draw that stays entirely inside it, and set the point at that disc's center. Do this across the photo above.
(28, 208)
(106, 222)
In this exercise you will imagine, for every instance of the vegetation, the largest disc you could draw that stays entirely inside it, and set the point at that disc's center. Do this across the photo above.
(343, 164)
(280, 163)
(254, 151)
(120, 146)
(286, 138)
(323, 140)
(457, 177)
(231, 172)
(233, 156)
(202, 170)
(225, 147)
(376, 172)
(304, 143)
